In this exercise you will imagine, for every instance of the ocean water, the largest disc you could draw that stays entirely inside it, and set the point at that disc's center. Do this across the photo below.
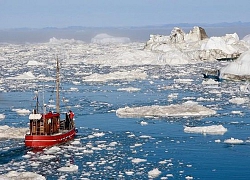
(109, 147)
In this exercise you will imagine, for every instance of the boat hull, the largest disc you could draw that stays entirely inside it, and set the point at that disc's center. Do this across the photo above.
(41, 141)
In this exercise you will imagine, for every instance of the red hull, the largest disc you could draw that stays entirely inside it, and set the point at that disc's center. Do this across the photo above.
(40, 141)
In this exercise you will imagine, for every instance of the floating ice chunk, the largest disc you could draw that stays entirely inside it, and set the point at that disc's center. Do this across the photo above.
(25, 75)
(52, 150)
(217, 140)
(143, 123)
(154, 173)
(11, 132)
(99, 134)
(213, 129)
(209, 82)
(46, 157)
(22, 175)
(238, 100)
(2, 116)
(22, 112)
(113, 144)
(187, 81)
(189, 177)
(186, 109)
(118, 75)
(70, 168)
(35, 63)
(138, 160)
(129, 173)
(233, 141)
(129, 89)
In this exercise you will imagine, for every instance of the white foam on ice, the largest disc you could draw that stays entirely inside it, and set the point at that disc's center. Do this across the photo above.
(12, 133)
(186, 109)
(213, 129)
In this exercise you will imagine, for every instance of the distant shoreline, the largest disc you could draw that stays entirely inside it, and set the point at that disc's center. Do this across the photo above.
(136, 34)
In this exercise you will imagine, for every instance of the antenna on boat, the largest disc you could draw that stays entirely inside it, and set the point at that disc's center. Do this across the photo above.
(57, 86)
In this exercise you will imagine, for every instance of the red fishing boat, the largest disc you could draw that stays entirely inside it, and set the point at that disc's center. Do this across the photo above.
(48, 129)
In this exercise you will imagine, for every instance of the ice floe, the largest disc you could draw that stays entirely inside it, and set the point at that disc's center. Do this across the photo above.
(238, 100)
(70, 168)
(213, 129)
(233, 141)
(186, 109)
(25, 75)
(154, 173)
(118, 75)
(2, 116)
(12, 132)
(12, 175)
(22, 112)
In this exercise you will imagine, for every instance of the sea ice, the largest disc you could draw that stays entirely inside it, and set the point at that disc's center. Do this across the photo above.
(118, 75)
(238, 100)
(11, 132)
(154, 173)
(12, 175)
(138, 160)
(70, 168)
(233, 141)
(213, 129)
(2, 116)
(185, 109)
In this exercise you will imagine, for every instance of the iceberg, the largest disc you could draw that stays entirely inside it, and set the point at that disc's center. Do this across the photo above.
(237, 70)
(106, 39)
(196, 45)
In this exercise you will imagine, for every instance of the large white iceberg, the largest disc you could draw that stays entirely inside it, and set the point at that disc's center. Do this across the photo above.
(238, 69)
(196, 45)
(106, 39)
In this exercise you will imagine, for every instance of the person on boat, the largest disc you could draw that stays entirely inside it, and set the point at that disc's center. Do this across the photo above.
(71, 115)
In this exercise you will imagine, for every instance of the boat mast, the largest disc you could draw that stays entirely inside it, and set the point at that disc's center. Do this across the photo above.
(57, 87)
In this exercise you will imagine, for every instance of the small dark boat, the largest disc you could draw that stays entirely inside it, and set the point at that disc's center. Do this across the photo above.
(215, 75)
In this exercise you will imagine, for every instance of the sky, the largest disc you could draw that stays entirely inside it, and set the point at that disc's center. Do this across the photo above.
(118, 13)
